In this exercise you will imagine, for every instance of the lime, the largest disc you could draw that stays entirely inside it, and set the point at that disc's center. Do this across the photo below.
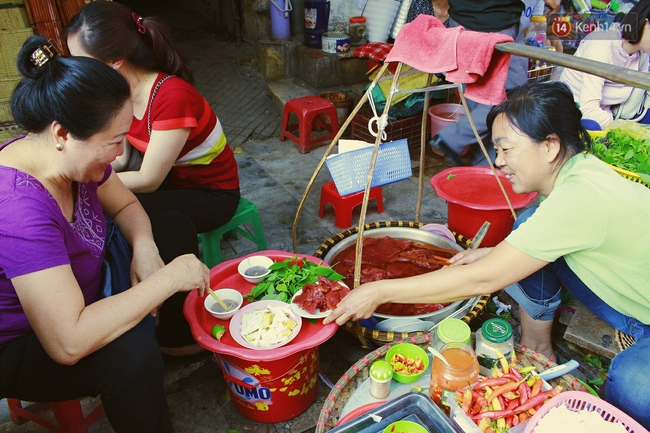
(218, 331)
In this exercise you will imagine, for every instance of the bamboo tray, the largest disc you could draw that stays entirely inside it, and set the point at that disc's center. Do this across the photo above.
(374, 336)
(344, 388)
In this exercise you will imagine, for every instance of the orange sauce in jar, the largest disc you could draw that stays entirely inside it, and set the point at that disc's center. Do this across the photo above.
(445, 380)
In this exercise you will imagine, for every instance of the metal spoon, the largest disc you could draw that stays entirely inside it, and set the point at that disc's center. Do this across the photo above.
(215, 296)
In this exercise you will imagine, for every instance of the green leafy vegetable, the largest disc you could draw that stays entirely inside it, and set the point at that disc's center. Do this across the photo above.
(625, 152)
(289, 276)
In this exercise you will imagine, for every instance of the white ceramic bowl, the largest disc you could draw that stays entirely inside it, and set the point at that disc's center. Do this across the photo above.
(227, 296)
(253, 262)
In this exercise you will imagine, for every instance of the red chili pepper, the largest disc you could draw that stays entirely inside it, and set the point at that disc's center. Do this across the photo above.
(531, 402)
(513, 360)
(512, 404)
(493, 381)
(524, 389)
(476, 408)
(509, 421)
(493, 414)
(507, 387)
(502, 402)
(515, 374)
(480, 398)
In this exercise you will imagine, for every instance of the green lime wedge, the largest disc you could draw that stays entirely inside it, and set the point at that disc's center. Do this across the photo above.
(218, 331)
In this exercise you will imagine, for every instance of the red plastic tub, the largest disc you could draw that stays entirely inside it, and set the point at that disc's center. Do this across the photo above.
(265, 385)
(473, 197)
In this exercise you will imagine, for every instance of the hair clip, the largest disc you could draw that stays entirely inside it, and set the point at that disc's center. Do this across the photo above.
(138, 21)
(43, 54)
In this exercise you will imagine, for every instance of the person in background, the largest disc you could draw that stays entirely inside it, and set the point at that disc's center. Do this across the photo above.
(501, 16)
(436, 8)
(58, 341)
(626, 48)
(188, 180)
(572, 239)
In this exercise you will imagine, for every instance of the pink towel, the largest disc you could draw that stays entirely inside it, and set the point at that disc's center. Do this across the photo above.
(466, 56)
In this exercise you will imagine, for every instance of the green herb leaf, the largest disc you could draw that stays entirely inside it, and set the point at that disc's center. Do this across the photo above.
(289, 276)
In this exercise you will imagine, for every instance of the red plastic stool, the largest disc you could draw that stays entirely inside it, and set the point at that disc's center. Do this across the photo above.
(309, 109)
(68, 415)
(343, 205)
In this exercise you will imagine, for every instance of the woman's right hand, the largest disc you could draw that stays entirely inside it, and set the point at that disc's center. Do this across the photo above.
(188, 272)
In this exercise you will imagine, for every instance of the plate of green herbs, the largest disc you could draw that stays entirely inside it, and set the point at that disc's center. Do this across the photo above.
(289, 276)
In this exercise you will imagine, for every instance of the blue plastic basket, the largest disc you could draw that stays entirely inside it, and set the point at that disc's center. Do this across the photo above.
(349, 170)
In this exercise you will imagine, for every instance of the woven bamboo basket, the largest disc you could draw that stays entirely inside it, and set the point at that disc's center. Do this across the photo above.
(374, 336)
(344, 388)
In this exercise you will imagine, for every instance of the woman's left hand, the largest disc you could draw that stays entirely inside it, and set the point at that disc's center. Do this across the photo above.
(144, 264)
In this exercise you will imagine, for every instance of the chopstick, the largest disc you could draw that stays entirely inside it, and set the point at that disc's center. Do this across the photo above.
(214, 295)
(431, 247)
(444, 262)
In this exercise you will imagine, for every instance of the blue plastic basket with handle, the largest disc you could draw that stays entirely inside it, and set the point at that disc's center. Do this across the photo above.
(349, 170)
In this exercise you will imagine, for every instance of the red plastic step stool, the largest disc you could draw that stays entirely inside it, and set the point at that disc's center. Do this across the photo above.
(309, 110)
(343, 205)
(68, 414)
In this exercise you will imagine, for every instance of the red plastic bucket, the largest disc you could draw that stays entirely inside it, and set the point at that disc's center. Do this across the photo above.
(442, 115)
(473, 197)
(272, 391)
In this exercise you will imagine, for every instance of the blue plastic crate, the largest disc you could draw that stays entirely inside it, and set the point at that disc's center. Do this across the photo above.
(349, 170)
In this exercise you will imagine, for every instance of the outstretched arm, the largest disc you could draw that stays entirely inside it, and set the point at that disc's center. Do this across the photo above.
(501, 267)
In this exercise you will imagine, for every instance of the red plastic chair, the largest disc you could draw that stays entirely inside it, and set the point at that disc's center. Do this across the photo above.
(344, 205)
(309, 110)
(68, 414)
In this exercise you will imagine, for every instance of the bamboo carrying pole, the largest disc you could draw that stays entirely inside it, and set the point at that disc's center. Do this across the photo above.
(604, 70)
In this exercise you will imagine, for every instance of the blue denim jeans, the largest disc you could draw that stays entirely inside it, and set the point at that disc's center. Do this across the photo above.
(629, 373)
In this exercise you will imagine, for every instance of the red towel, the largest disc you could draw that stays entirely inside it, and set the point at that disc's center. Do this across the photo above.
(466, 56)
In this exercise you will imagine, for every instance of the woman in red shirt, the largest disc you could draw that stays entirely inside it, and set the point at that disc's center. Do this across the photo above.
(187, 179)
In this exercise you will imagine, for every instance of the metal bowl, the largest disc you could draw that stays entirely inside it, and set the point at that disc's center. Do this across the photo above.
(410, 234)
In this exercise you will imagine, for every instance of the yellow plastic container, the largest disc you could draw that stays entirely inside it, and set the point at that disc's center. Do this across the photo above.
(625, 173)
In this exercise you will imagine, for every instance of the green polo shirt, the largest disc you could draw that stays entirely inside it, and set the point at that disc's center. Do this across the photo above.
(599, 222)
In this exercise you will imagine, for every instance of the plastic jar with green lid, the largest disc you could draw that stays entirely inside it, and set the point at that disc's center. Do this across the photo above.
(381, 376)
(495, 334)
(452, 330)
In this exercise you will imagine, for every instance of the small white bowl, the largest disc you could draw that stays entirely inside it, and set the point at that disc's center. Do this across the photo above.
(253, 262)
(227, 296)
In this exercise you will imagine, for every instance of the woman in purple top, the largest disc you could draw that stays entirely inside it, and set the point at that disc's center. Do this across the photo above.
(57, 340)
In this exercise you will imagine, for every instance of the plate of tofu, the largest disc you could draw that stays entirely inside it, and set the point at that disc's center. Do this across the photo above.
(265, 325)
